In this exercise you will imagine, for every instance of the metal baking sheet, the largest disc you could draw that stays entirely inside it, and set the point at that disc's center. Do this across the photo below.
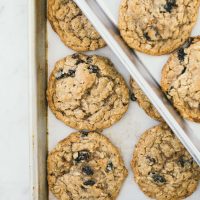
(123, 134)
(37, 99)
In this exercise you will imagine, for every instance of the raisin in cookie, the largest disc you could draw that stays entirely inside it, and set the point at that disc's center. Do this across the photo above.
(162, 167)
(157, 27)
(85, 166)
(72, 26)
(138, 95)
(86, 92)
(181, 79)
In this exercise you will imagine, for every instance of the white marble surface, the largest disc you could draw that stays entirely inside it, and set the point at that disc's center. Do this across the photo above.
(14, 150)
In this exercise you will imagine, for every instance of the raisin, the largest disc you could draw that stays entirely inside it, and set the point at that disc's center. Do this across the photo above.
(170, 4)
(61, 74)
(93, 69)
(89, 182)
(157, 178)
(79, 62)
(181, 51)
(147, 36)
(181, 54)
(82, 156)
(84, 133)
(87, 170)
(109, 167)
(133, 98)
(71, 73)
(183, 162)
(89, 59)
(75, 56)
(150, 160)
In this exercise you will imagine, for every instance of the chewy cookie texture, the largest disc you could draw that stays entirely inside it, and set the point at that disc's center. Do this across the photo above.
(87, 93)
(85, 166)
(157, 27)
(162, 167)
(72, 26)
(138, 95)
(181, 79)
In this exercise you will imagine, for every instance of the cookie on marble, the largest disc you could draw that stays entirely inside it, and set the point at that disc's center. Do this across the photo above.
(72, 26)
(87, 93)
(181, 79)
(157, 27)
(85, 165)
(138, 95)
(162, 167)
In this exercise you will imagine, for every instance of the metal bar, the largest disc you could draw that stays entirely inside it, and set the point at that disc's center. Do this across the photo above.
(138, 71)
(37, 100)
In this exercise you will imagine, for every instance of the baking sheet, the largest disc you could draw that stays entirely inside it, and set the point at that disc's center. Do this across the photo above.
(127, 131)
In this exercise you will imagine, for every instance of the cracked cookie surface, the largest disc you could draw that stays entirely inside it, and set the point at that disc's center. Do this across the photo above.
(181, 79)
(157, 27)
(143, 101)
(87, 93)
(72, 26)
(162, 167)
(85, 166)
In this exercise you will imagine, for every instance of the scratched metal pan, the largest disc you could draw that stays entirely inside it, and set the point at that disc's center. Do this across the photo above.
(46, 130)
(38, 106)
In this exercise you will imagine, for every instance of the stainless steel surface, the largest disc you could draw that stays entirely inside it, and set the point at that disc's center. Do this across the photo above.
(139, 72)
(38, 107)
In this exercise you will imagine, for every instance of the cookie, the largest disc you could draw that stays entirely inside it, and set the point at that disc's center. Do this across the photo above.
(72, 26)
(87, 93)
(162, 167)
(138, 95)
(181, 79)
(157, 27)
(85, 165)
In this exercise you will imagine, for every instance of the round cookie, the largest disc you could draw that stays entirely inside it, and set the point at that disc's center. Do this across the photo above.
(72, 26)
(143, 101)
(87, 93)
(181, 79)
(85, 166)
(162, 167)
(157, 27)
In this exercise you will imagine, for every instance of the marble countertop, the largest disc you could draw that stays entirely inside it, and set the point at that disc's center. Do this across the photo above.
(14, 139)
